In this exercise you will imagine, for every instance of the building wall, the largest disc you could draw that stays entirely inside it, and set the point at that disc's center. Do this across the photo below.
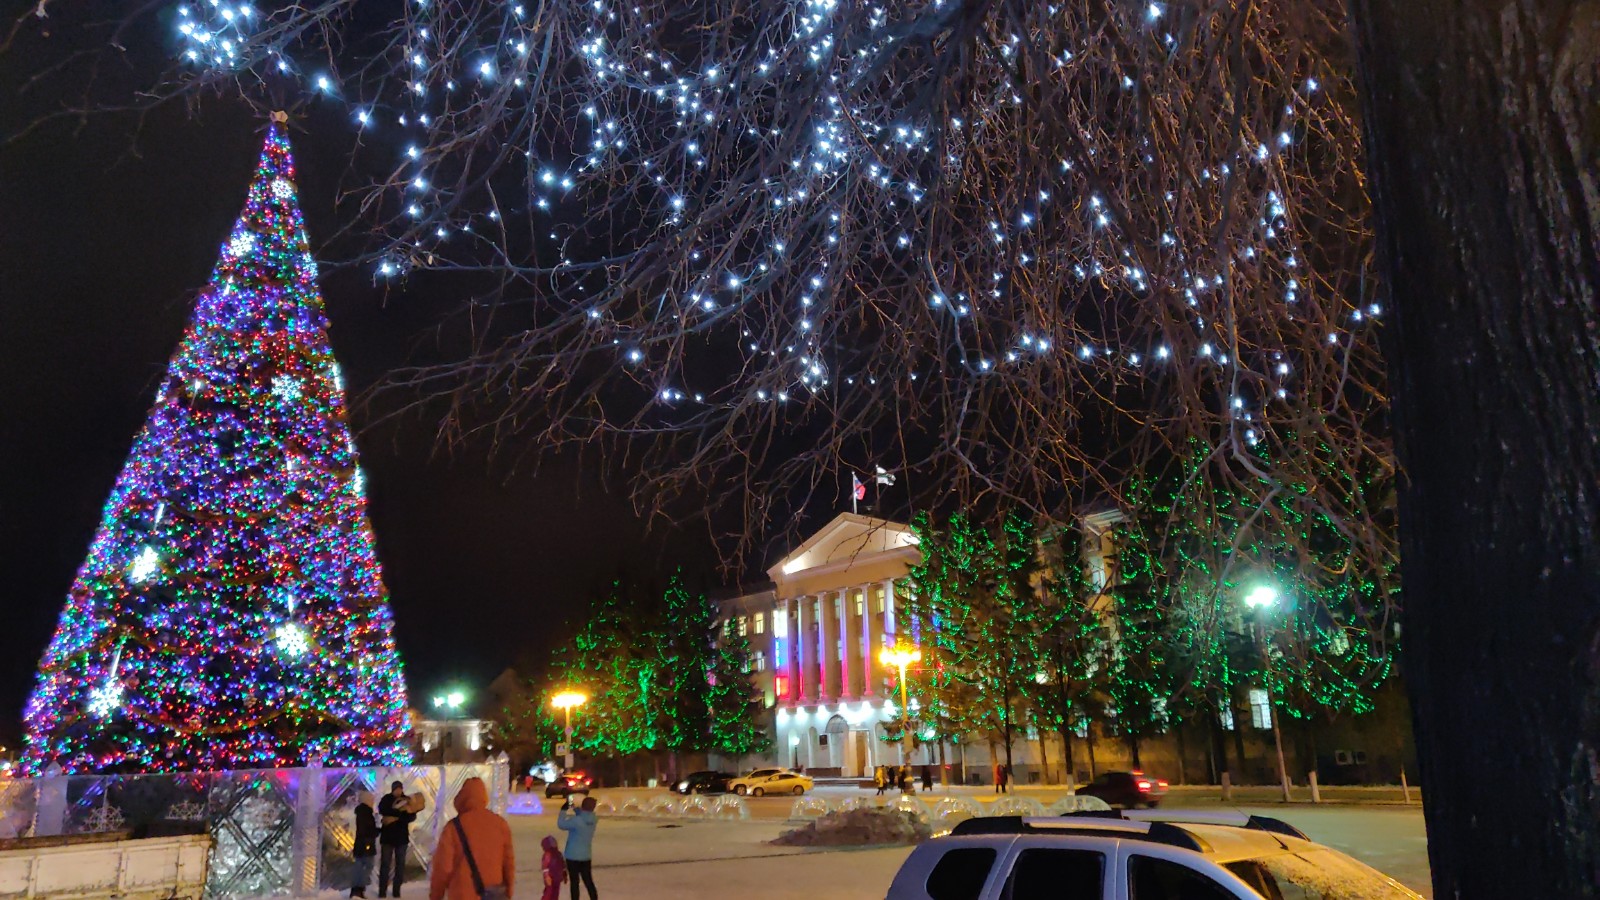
(815, 636)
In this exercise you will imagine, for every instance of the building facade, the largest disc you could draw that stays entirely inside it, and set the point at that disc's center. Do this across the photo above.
(816, 631)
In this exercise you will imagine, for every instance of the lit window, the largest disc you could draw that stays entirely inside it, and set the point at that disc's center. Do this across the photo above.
(879, 594)
(759, 621)
(1260, 709)
(761, 661)
(780, 625)
(1225, 717)
(861, 603)
(744, 626)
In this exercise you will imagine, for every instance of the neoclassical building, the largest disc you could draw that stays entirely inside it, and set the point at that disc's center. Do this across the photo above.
(815, 633)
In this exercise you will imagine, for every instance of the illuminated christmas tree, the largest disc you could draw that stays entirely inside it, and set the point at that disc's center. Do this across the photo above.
(231, 612)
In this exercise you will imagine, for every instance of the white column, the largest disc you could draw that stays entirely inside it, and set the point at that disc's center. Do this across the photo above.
(869, 646)
(804, 651)
(830, 647)
(888, 606)
(847, 669)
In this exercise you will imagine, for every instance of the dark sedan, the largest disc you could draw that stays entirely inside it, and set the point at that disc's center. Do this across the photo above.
(1126, 789)
(703, 783)
(569, 784)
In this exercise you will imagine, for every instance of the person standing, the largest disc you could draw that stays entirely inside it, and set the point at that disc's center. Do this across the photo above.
(474, 858)
(579, 824)
(394, 837)
(365, 849)
(553, 867)
(927, 778)
(999, 778)
(880, 779)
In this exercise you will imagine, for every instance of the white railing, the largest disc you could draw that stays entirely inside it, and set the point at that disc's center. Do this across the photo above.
(277, 832)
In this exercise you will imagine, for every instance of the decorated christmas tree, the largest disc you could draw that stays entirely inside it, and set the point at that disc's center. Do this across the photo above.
(231, 612)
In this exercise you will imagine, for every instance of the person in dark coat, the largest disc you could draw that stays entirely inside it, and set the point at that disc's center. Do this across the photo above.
(365, 850)
(927, 778)
(394, 837)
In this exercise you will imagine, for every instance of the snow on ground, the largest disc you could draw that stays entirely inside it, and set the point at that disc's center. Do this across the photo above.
(720, 860)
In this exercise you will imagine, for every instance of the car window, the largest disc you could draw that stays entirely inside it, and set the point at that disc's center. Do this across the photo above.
(960, 873)
(1052, 874)
(1314, 875)
(762, 773)
(1159, 879)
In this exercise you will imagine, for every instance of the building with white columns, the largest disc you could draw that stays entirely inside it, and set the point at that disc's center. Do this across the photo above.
(814, 635)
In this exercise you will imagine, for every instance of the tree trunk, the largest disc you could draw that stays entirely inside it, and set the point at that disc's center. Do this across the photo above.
(1238, 741)
(1066, 757)
(1483, 129)
(1183, 773)
(1133, 750)
(1088, 742)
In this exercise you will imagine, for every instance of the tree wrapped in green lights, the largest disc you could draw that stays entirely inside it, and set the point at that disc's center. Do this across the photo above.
(231, 612)
(1073, 648)
(974, 598)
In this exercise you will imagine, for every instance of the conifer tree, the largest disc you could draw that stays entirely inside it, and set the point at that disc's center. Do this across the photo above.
(231, 612)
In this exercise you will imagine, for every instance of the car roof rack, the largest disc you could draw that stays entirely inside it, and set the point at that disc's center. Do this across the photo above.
(1230, 817)
(1096, 824)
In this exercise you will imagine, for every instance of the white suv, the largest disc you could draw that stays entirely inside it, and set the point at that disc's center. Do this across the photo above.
(1135, 856)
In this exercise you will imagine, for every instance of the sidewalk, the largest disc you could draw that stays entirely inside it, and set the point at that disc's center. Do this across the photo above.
(1180, 795)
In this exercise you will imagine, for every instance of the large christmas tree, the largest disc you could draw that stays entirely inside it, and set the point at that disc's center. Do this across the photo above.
(231, 612)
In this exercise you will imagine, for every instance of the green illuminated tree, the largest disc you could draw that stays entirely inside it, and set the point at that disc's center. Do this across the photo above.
(1071, 646)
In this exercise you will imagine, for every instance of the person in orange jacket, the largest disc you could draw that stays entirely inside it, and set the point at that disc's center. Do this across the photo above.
(488, 838)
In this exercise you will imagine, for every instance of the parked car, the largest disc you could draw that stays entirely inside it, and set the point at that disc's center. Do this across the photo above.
(568, 784)
(1127, 789)
(1142, 855)
(704, 783)
(771, 781)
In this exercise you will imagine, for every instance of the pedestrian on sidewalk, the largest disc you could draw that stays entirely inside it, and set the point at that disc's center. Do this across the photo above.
(579, 824)
(880, 778)
(395, 815)
(927, 778)
(474, 858)
(365, 850)
(1000, 774)
(553, 867)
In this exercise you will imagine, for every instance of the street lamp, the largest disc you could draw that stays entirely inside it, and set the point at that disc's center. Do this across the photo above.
(565, 701)
(1262, 598)
(452, 701)
(901, 657)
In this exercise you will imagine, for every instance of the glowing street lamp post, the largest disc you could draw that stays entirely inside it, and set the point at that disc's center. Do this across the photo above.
(565, 701)
(1260, 599)
(902, 657)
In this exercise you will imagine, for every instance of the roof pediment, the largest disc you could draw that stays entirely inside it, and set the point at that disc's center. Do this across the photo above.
(848, 540)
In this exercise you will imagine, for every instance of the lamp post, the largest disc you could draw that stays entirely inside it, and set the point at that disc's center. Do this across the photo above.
(565, 701)
(901, 657)
(1262, 598)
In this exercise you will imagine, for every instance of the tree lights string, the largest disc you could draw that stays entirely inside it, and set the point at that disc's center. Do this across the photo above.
(231, 612)
(1021, 248)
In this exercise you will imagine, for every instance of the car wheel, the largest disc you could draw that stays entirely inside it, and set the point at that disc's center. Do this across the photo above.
(740, 790)
(799, 789)
(757, 792)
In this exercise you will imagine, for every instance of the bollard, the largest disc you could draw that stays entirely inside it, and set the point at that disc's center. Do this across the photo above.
(1316, 792)
(1227, 787)
(1405, 788)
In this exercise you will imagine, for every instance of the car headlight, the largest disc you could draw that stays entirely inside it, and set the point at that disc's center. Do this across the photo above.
(683, 785)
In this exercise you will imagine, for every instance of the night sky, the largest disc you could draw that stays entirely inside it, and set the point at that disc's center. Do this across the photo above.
(106, 234)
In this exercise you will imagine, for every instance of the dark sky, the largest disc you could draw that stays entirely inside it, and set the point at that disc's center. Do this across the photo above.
(106, 234)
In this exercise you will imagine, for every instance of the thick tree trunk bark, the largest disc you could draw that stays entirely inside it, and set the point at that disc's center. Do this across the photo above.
(1483, 136)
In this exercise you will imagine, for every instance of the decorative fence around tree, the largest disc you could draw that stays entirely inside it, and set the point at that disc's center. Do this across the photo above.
(277, 832)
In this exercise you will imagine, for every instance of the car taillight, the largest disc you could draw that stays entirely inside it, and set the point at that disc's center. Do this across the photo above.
(1144, 785)
(1160, 783)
